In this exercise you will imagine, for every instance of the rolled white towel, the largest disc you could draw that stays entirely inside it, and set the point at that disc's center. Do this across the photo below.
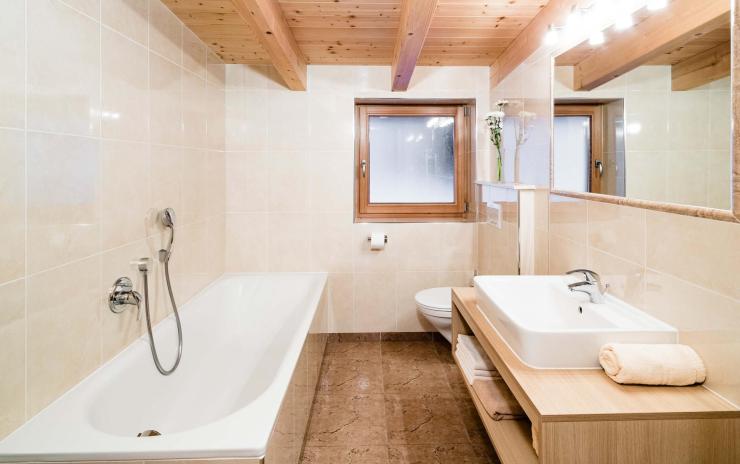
(659, 364)
(479, 357)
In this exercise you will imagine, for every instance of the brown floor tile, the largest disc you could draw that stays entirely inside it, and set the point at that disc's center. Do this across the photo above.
(350, 376)
(473, 425)
(424, 419)
(406, 336)
(443, 349)
(347, 420)
(355, 337)
(357, 351)
(457, 382)
(345, 455)
(487, 452)
(408, 351)
(414, 377)
(435, 454)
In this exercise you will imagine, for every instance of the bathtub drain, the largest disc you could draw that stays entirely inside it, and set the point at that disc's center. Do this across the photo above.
(149, 433)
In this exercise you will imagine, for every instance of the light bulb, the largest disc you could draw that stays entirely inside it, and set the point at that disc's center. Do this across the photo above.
(596, 38)
(656, 4)
(552, 36)
(623, 21)
(574, 18)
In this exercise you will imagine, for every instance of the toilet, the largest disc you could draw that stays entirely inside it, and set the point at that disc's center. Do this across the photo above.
(436, 306)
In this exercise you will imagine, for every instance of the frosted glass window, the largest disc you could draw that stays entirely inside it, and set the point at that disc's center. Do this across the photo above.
(572, 140)
(412, 159)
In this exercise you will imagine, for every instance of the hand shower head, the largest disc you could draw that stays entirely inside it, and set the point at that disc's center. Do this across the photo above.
(167, 216)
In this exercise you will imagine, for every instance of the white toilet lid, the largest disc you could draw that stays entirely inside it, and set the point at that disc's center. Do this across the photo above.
(436, 299)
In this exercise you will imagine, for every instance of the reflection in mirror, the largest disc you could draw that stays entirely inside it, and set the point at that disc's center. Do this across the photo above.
(659, 130)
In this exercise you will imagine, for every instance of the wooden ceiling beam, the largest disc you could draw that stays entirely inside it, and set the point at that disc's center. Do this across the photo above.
(416, 18)
(677, 24)
(703, 68)
(266, 19)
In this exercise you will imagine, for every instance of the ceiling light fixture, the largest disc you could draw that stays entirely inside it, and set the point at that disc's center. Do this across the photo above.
(596, 38)
(623, 21)
(552, 36)
(656, 4)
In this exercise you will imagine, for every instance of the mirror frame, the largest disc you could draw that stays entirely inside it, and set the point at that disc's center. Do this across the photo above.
(732, 215)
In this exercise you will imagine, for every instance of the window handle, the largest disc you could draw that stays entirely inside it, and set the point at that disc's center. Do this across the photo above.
(363, 168)
(600, 168)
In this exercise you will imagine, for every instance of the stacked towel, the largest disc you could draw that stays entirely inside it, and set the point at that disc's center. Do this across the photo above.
(497, 399)
(473, 360)
(669, 364)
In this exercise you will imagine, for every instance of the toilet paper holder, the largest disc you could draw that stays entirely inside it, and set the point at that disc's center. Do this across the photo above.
(385, 238)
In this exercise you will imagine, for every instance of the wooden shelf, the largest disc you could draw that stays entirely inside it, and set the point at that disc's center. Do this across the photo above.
(511, 438)
(582, 416)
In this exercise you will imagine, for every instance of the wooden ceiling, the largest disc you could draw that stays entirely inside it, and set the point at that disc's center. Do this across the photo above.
(461, 32)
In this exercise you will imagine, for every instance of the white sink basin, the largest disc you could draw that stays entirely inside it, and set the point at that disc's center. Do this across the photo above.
(549, 327)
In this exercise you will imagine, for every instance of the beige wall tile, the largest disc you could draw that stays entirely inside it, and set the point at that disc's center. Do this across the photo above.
(165, 32)
(367, 260)
(63, 199)
(698, 250)
(706, 320)
(193, 53)
(288, 243)
(194, 195)
(12, 356)
(194, 116)
(165, 177)
(331, 242)
(124, 192)
(12, 204)
(246, 128)
(215, 70)
(246, 181)
(13, 57)
(117, 331)
(287, 119)
(457, 248)
(165, 101)
(216, 126)
(63, 69)
(626, 279)
(125, 88)
(63, 333)
(246, 242)
(455, 278)
(418, 246)
(617, 230)
(375, 302)
(88, 7)
(568, 218)
(288, 182)
(341, 303)
(215, 180)
(566, 255)
(331, 181)
(129, 17)
(408, 319)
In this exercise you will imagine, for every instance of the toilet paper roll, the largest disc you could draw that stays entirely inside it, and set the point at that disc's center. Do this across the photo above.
(377, 241)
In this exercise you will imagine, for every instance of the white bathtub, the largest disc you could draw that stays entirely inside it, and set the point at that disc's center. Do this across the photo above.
(243, 338)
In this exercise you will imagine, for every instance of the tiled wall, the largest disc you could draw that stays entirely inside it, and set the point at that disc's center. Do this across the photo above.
(678, 143)
(111, 110)
(684, 270)
(289, 192)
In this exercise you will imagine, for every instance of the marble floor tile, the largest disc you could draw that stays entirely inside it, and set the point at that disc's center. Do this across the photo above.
(350, 376)
(424, 419)
(398, 400)
(358, 351)
(339, 419)
(345, 455)
(409, 351)
(414, 377)
(435, 454)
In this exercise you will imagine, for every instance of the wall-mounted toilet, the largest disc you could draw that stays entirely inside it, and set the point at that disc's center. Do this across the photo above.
(436, 306)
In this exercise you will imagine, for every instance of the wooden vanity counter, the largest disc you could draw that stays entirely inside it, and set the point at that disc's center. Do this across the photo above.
(582, 416)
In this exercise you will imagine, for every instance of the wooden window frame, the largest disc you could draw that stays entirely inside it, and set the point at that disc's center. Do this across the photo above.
(416, 212)
(595, 112)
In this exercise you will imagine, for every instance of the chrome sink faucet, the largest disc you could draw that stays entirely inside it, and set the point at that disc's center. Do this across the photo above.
(591, 286)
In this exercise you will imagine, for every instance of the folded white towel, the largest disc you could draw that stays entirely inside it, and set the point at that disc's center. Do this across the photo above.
(471, 374)
(660, 364)
(479, 357)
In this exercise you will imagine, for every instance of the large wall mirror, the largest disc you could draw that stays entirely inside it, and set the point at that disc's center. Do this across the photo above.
(647, 114)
